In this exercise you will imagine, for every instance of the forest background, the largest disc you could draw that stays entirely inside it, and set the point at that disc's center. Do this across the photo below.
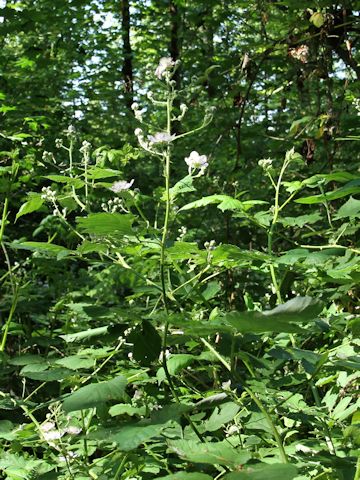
(179, 232)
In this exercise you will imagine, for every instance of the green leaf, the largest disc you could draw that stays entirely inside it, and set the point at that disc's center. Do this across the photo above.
(317, 19)
(225, 203)
(95, 173)
(106, 224)
(45, 374)
(76, 362)
(34, 203)
(185, 185)
(265, 471)
(221, 453)
(221, 416)
(350, 209)
(301, 220)
(334, 195)
(47, 248)
(73, 182)
(132, 435)
(26, 360)
(175, 364)
(125, 409)
(6, 428)
(96, 393)
(186, 476)
(282, 319)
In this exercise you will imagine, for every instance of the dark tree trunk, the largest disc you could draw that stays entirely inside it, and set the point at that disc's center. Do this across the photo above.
(127, 69)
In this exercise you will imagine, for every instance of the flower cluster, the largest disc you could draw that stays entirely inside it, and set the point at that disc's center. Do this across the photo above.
(59, 143)
(182, 232)
(71, 132)
(48, 195)
(85, 148)
(265, 164)
(113, 205)
(165, 65)
(50, 432)
(195, 161)
(137, 112)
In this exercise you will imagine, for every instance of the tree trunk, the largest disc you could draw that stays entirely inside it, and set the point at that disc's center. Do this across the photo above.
(127, 69)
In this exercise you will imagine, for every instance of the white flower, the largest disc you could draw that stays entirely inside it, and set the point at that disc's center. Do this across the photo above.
(121, 186)
(165, 64)
(161, 137)
(72, 430)
(47, 426)
(69, 456)
(135, 106)
(194, 160)
(53, 435)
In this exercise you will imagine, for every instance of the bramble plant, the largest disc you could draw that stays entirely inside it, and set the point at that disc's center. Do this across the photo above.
(163, 354)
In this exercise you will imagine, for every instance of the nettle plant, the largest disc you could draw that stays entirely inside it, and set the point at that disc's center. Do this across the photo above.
(164, 381)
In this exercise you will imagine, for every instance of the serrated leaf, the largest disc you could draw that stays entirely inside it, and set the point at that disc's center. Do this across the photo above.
(106, 224)
(265, 471)
(221, 416)
(185, 185)
(95, 173)
(134, 434)
(221, 453)
(350, 209)
(334, 195)
(94, 394)
(73, 182)
(301, 220)
(34, 203)
(48, 248)
(224, 203)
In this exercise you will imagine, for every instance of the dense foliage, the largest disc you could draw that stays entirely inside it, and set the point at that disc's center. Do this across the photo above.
(179, 233)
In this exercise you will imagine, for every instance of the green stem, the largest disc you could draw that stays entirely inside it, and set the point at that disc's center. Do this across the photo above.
(76, 198)
(167, 158)
(4, 217)
(9, 319)
(259, 404)
(121, 467)
(328, 438)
